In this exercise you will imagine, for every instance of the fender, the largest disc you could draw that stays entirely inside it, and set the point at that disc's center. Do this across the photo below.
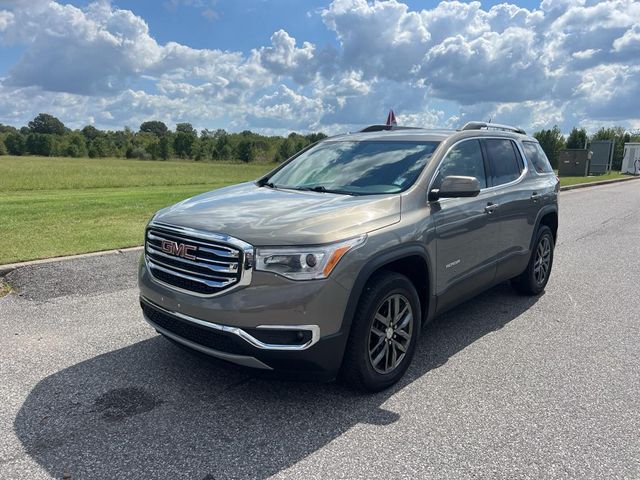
(541, 213)
(382, 258)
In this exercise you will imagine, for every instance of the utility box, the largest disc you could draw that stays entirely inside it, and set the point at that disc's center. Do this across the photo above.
(631, 159)
(574, 162)
(602, 157)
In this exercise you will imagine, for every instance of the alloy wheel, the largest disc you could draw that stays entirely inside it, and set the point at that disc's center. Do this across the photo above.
(390, 333)
(542, 262)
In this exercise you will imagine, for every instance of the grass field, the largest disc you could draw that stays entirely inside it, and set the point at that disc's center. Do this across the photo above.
(565, 181)
(60, 206)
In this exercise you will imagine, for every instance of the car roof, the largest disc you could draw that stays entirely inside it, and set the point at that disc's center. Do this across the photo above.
(401, 134)
(424, 135)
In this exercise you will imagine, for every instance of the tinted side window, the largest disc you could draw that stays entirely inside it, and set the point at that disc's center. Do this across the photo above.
(505, 165)
(534, 152)
(464, 159)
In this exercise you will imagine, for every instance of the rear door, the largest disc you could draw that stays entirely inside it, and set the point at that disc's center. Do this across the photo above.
(466, 230)
(515, 199)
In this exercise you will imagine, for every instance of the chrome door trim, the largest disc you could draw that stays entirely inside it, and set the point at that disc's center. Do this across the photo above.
(523, 174)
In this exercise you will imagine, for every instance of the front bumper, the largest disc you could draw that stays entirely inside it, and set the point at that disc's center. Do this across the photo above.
(253, 326)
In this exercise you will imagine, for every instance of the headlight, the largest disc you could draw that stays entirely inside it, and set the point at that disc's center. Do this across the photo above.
(304, 263)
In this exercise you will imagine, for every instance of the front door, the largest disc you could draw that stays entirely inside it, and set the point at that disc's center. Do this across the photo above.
(467, 232)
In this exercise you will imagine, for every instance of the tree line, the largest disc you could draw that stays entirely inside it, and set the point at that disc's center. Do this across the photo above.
(46, 135)
(552, 142)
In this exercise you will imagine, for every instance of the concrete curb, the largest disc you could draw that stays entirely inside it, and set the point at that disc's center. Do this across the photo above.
(595, 184)
(5, 269)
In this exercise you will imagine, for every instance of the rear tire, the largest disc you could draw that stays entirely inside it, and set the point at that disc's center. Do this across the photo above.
(384, 333)
(534, 279)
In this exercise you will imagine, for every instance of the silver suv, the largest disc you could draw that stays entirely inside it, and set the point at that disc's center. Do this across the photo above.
(332, 263)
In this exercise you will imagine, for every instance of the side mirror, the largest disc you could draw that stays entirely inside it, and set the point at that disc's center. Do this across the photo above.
(455, 186)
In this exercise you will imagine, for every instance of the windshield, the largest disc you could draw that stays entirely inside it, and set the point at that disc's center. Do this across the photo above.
(356, 168)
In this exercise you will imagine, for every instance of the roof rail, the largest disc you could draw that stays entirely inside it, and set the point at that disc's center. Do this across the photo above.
(381, 127)
(495, 126)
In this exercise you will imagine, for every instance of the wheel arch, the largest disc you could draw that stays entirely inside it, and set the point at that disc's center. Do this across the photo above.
(411, 260)
(546, 216)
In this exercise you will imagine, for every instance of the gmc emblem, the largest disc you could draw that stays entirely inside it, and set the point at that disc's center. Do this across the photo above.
(179, 249)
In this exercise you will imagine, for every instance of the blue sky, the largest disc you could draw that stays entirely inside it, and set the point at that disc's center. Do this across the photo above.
(282, 65)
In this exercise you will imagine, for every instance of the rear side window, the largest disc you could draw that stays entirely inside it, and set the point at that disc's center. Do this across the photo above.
(464, 159)
(534, 152)
(506, 164)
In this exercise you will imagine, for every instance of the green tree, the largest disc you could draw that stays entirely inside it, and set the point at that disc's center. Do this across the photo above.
(577, 138)
(16, 144)
(99, 147)
(184, 142)
(186, 128)
(45, 123)
(76, 146)
(285, 150)
(244, 150)
(155, 127)
(90, 132)
(222, 150)
(164, 147)
(7, 129)
(3, 148)
(40, 144)
(315, 137)
(551, 141)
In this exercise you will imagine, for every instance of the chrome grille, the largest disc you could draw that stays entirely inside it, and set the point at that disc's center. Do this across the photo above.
(198, 262)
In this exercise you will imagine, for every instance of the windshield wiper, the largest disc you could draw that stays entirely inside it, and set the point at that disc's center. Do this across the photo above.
(323, 189)
(269, 184)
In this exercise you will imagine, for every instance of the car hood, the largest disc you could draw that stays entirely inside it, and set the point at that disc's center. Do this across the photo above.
(266, 216)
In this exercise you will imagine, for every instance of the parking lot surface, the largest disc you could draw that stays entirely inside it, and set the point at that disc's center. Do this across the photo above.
(503, 386)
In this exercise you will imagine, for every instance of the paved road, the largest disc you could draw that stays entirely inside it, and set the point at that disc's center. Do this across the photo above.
(502, 387)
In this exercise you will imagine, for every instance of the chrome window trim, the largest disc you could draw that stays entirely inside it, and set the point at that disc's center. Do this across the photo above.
(494, 188)
(247, 337)
(246, 271)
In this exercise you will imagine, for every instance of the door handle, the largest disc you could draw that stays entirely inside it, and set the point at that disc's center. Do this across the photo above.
(535, 196)
(490, 208)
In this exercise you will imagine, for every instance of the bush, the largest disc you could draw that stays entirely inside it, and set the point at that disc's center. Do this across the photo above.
(15, 144)
(138, 152)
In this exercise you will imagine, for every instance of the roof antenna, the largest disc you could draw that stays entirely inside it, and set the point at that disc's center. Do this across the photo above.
(391, 119)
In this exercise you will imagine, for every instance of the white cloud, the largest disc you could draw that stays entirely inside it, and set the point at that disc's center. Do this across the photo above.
(6, 19)
(380, 38)
(284, 58)
(566, 61)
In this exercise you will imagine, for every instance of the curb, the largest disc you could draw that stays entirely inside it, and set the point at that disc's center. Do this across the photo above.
(595, 184)
(9, 267)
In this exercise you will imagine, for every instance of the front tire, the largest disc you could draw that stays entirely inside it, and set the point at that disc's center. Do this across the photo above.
(534, 279)
(384, 333)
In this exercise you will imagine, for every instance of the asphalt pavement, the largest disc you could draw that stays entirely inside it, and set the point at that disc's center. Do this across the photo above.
(503, 386)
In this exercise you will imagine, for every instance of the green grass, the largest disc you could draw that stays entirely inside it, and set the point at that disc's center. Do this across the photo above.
(565, 181)
(61, 206)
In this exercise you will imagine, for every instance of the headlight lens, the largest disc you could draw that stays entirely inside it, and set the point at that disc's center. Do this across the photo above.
(304, 263)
